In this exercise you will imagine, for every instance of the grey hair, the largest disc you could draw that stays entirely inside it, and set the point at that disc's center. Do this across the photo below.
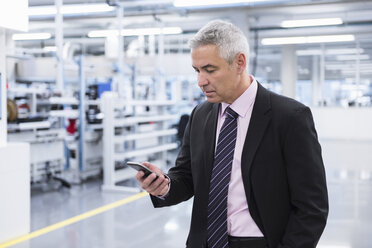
(228, 38)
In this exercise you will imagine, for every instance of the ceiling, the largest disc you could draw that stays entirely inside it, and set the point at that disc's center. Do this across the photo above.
(258, 20)
(262, 17)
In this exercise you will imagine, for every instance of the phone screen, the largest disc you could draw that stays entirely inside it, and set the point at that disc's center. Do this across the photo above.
(138, 166)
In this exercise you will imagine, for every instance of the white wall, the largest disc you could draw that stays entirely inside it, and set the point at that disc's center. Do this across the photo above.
(3, 122)
(13, 14)
(14, 191)
(345, 136)
(344, 123)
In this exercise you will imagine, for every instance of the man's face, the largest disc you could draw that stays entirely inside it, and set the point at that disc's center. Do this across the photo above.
(217, 79)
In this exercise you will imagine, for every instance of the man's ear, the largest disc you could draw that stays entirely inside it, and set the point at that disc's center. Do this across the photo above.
(241, 62)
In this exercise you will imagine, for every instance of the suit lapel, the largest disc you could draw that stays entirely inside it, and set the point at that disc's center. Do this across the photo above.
(210, 126)
(260, 119)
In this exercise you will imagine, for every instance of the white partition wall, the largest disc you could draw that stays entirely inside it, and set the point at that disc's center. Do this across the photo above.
(14, 191)
(14, 15)
(14, 157)
(2, 89)
(344, 123)
(346, 136)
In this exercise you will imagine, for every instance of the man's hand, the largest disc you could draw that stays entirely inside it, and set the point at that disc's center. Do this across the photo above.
(158, 187)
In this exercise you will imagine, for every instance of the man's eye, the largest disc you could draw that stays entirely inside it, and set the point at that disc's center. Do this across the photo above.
(210, 71)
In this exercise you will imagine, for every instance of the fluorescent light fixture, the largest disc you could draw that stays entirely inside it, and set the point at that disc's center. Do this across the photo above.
(200, 3)
(32, 36)
(352, 57)
(311, 22)
(50, 49)
(352, 72)
(309, 52)
(102, 33)
(135, 32)
(307, 39)
(344, 51)
(340, 51)
(70, 9)
(343, 66)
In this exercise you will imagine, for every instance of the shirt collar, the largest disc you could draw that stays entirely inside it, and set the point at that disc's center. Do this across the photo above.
(244, 102)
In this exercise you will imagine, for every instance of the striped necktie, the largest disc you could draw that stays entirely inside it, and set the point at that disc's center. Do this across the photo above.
(219, 184)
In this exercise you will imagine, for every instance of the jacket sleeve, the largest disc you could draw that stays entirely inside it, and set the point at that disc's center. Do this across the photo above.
(307, 182)
(181, 184)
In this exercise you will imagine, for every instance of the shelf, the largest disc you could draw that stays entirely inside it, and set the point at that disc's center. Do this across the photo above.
(133, 120)
(140, 152)
(113, 109)
(35, 79)
(33, 136)
(24, 90)
(95, 126)
(124, 174)
(72, 114)
(63, 100)
(93, 102)
(29, 125)
(136, 136)
(30, 80)
(144, 103)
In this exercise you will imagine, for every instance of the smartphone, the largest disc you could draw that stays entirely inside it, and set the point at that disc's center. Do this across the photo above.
(138, 166)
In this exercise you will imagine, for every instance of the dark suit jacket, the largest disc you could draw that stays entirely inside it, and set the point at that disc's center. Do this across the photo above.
(282, 171)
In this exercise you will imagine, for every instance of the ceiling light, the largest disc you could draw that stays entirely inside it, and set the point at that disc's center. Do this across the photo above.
(344, 51)
(50, 49)
(135, 32)
(199, 3)
(32, 36)
(341, 51)
(352, 72)
(353, 66)
(151, 31)
(311, 22)
(352, 57)
(309, 52)
(102, 33)
(69, 9)
(307, 39)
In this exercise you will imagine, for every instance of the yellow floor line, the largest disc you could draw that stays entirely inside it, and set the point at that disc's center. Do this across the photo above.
(72, 220)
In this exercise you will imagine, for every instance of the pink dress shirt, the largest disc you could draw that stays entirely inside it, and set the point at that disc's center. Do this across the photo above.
(239, 220)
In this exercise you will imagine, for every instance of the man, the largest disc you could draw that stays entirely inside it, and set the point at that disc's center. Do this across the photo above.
(268, 188)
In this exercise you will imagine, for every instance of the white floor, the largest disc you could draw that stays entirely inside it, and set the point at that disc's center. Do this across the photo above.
(139, 225)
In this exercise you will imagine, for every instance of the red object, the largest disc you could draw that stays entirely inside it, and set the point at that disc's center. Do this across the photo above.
(71, 128)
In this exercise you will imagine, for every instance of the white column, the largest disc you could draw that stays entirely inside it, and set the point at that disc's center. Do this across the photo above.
(321, 101)
(141, 42)
(357, 68)
(3, 116)
(119, 19)
(151, 45)
(289, 70)
(160, 95)
(59, 43)
(123, 86)
(241, 20)
(316, 84)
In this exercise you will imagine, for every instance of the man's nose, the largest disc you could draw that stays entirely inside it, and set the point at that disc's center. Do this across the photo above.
(202, 80)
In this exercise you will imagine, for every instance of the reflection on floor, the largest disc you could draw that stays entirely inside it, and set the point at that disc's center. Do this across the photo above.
(139, 225)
